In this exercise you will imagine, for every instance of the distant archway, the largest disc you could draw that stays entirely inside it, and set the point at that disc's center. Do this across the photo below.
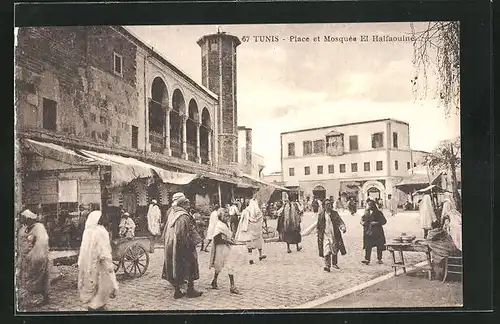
(319, 192)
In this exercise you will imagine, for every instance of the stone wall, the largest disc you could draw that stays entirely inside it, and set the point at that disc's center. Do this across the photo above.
(73, 66)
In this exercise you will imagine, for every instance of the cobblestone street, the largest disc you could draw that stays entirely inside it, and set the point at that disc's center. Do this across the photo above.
(281, 281)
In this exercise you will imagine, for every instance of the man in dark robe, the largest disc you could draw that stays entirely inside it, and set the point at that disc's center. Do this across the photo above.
(373, 233)
(289, 219)
(351, 205)
(330, 242)
(181, 239)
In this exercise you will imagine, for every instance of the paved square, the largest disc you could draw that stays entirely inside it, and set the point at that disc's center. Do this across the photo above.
(281, 281)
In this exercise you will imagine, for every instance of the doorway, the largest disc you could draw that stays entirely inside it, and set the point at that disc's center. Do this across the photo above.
(319, 192)
(374, 193)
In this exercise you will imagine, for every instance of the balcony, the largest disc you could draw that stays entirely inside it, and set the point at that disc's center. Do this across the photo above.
(176, 147)
(191, 150)
(157, 142)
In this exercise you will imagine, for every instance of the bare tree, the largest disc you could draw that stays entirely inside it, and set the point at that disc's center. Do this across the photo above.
(436, 53)
(446, 156)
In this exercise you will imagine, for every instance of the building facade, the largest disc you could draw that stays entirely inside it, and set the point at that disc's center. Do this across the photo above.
(104, 86)
(274, 177)
(358, 160)
(101, 90)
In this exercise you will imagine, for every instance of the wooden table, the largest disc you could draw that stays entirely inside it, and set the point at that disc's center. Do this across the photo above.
(421, 247)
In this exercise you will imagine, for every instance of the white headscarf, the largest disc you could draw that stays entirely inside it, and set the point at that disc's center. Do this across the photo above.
(95, 283)
(427, 214)
(254, 212)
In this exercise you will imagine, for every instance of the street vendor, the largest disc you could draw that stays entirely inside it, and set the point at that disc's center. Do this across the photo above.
(127, 226)
(442, 246)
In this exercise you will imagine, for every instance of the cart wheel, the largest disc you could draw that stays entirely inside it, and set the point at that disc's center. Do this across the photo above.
(117, 264)
(135, 261)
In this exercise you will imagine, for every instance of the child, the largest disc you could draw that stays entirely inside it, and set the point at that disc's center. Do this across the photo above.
(222, 253)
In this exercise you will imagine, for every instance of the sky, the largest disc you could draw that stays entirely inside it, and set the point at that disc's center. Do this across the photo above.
(285, 85)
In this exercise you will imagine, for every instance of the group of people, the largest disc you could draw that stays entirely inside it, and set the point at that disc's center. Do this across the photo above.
(235, 235)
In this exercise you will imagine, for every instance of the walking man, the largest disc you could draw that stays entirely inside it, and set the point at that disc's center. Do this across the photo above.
(330, 240)
(181, 239)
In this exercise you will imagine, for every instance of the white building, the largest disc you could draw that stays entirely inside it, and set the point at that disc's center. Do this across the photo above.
(357, 160)
(274, 177)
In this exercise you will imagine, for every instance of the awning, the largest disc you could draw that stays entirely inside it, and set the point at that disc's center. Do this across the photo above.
(433, 188)
(414, 180)
(58, 153)
(266, 190)
(126, 169)
(276, 187)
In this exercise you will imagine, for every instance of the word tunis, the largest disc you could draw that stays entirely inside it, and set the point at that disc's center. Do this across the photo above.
(265, 39)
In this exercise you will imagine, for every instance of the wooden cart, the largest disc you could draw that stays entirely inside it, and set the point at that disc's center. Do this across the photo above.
(132, 254)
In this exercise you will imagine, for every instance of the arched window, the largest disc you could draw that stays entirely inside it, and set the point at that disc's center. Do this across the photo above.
(178, 109)
(157, 111)
(191, 125)
(205, 129)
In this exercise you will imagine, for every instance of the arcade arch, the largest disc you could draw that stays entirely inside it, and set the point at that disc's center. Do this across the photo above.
(157, 111)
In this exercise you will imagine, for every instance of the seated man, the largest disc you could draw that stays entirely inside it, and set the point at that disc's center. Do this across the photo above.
(442, 246)
(127, 226)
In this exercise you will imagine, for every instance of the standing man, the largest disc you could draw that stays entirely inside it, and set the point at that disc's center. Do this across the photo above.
(33, 262)
(351, 205)
(373, 233)
(239, 205)
(181, 239)
(392, 205)
(330, 240)
(234, 218)
(154, 218)
(289, 220)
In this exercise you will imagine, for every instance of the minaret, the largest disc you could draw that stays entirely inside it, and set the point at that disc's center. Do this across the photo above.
(218, 62)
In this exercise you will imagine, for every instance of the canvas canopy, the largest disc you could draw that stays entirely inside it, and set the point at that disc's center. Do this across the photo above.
(58, 153)
(432, 188)
(126, 169)
(265, 189)
(415, 179)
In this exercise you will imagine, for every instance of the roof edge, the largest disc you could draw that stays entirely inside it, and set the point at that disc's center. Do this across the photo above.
(346, 124)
